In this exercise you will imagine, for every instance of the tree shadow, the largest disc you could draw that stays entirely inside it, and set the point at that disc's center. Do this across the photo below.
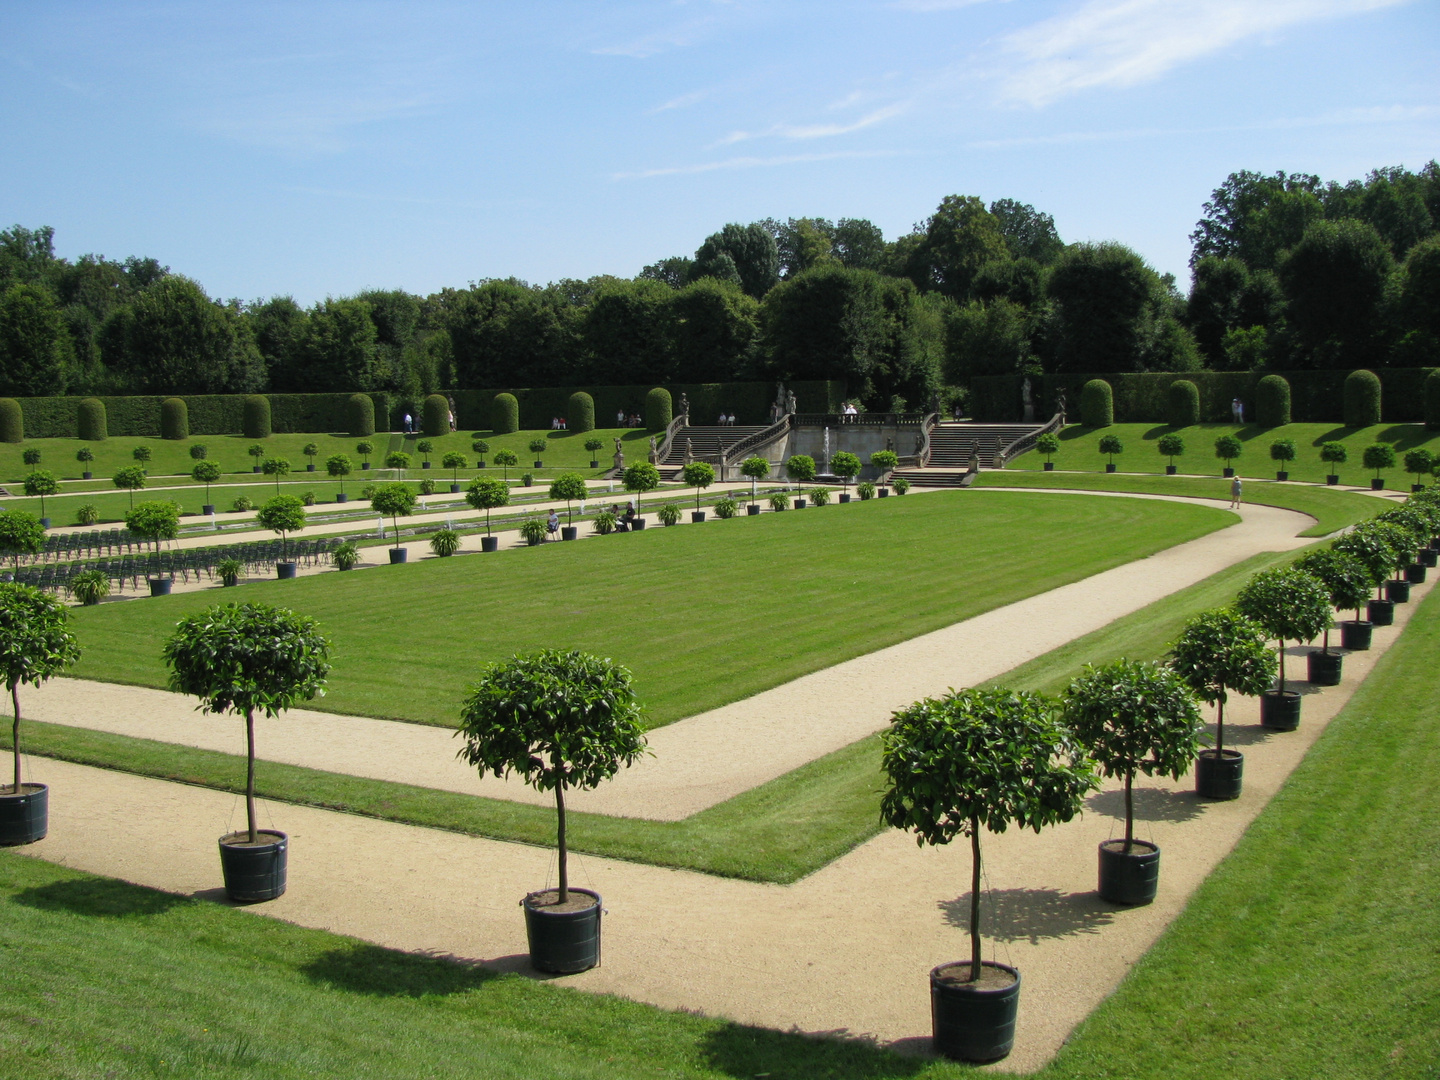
(1158, 430)
(1243, 734)
(1151, 804)
(1075, 431)
(381, 972)
(1404, 436)
(739, 1050)
(1334, 435)
(104, 897)
(1031, 914)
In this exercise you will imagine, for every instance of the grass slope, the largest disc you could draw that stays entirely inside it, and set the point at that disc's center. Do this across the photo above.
(703, 616)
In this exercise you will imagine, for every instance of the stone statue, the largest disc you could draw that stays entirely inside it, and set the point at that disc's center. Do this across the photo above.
(619, 454)
(1060, 404)
(1028, 401)
(919, 442)
(689, 452)
(685, 407)
(790, 402)
(654, 457)
(889, 444)
(935, 404)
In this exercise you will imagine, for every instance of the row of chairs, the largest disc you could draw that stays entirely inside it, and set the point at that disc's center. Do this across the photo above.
(64, 547)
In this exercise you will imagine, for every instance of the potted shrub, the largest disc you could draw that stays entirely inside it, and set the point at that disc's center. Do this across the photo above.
(669, 514)
(1420, 521)
(1378, 456)
(481, 448)
(130, 479)
(1290, 605)
(283, 514)
(1347, 583)
(87, 514)
(255, 450)
(901, 485)
(141, 454)
(1418, 462)
(1334, 454)
(454, 461)
(1220, 651)
(20, 534)
(310, 450)
(1172, 446)
(1282, 451)
(85, 456)
(41, 483)
(427, 486)
(426, 448)
(399, 461)
(1110, 445)
(338, 466)
(241, 505)
(780, 500)
(640, 478)
(605, 522)
(725, 508)
(276, 467)
(594, 445)
(1133, 717)
(1049, 445)
(533, 530)
(206, 472)
(229, 571)
(991, 758)
(885, 461)
(801, 468)
(866, 490)
(346, 556)
(558, 720)
(537, 447)
(1227, 449)
(846, 466)
(820, 496)
(364, 449)
(487, 495)
(445, 543)
(569, 486)
(155, 521)
(1402, 545)
(244, 659)
(35, 643)
(396, 501)
(505, 458)
(756, 468)
(526, 479)
(1375, 554)
(699, 475)
(90, 587)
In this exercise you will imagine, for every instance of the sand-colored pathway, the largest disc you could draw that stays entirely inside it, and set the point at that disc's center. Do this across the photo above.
(846, 950)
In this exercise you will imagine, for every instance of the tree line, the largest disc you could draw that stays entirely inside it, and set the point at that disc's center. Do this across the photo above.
(1288, 272)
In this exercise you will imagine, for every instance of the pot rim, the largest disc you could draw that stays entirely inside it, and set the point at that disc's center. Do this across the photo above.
(1222, 755)
(281, 838)
(1154, 847)
(528, 906)
(1285, 695)
(33, 790)
(965, 988)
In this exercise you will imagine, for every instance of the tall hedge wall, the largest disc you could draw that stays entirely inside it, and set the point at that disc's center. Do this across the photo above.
(209, 414)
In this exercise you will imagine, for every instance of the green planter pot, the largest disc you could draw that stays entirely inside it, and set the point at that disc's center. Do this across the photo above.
(1324, 669)
(25, 818)
(1282, 476)
(160, 586)
(1415, 573)
(1332, 480)
(563, 942)
(1129, 877)
(752, 510)
(254, 872)
(1110, 467)
(399, 555)
(1381, 612)
(1280, 711)
(1219, 777)
(1355, 635)
(1377, 484)
(1397, 591)
(971, 1023)
(285, 570)
(1171, 470)
(1049, 466)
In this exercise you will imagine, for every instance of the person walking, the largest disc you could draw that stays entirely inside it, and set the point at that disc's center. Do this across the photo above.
(1235, 492)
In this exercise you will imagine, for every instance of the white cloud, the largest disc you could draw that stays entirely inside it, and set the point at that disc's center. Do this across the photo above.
(1120, 43)
(818, 131)
(747, 163)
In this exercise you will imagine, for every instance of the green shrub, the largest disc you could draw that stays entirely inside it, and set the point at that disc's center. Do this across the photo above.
(1048, 444)
(229, 570)
(310, 449)
(821, 495)
(594, 446)
(1419, 462)
(198, 451)
(309, 498)
(393, 501)
(1097, 404)
(85, 456)
(725, 508)
(445, 543)
(368, 491)
(1111, 445)
(12, 421)
(780, 501)
(1432, 401)
(276, 467)
(365, 449)
(481, 447)
(435, 416)
(360, 416)
(87, 514)
(884, 460)
(487, 494)
(1282, 450)
(580, 412)
(659, 410)
(131, 478)
(41, 483)
(866, 490)
(174, 419)
(90, 420)
(527, 479)
(256, 423)
(397, 459)
(282, 514)
(141, 454)
(538, 446)
(699, 475)
(505, 458)
(1379, 456)
(605, 522)
(533, 530)
(155, 521)
(241, 504)
(669, 514)
(505, 414)
(1172, 446)
(426, 448)
(90, 586)
(427, 486)
(1228, 448)
(1272, 401)
(1334, 454)
(845, 465)
(346, 555)
(1362, 399)
(31, 457)
(1182, 404)
(901, 486)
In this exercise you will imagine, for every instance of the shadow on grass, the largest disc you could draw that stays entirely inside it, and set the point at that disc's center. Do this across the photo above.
(103, 897)
(370, 969)
(1151, 804)
(1031, 914)
(740, 1051)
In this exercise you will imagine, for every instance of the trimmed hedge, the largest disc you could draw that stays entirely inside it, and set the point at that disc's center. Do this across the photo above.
(435, 416)
(659, 409)
(359, 416)
(580, 412)
(256, 424)
(1097, 404)
(1272, 401)
(1182, 404)
(1362, 399)
(1432, 401)
(174, 419)
(12, 421)
(505, 414)
(90, 422)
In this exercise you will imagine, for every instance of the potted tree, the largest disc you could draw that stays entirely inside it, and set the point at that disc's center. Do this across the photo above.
(481, 448)
(244, 659)
(725, 507)
(399, 461)
(364, 449)
(1227, 449)
(594, 445)
(820, 496)
(801, 468)
(885, 461)
(41, 483)
(533, 530)
(229, 569)
(255, 450)
(141, 454)
(1282, 451)
(1403, 545)
(1290, 605)
(20, 534)
(866, 490)
(276, 467)
(669, 515)
(310, 450)
(1171, 446)
(338, 466)
(1420, 521)
(699, 475)
(901, 485)
(1220, 651)
(1374, 552)
(85, 456)
(90, 587)
(1418, 462)
(35, 643)
(426, 448)
(206, 472)
(779, 500)
(569, 486)
(130, 479)
(454, 461)
(1379, 456)
(445, 543)
(282, 514)
(485, 494)
(1334, 454)
(1111, 445)
(756, 468)
(537, 447)
(1130, 717)
(991, 758)
(1348, 584)
(640, 478)
(1049, 445)
(156, 521)
(395, 501)
(505, 458)
(559, 720)
(846, 466)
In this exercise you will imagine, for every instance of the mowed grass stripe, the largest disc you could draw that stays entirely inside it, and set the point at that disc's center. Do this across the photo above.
(702, 615)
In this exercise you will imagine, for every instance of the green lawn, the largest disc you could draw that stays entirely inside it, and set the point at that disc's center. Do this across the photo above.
(1079, 450)
(703, 616)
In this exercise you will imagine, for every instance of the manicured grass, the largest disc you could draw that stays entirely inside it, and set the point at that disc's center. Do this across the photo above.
(1079, 450)
(703, 615)
(1312, 950)
(1331, 509)
(113, 980)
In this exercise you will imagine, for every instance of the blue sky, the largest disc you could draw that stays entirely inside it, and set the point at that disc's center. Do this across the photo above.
(317, 149)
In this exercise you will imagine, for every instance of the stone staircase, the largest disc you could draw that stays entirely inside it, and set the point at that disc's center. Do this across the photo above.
(952, 444)
(707, 442)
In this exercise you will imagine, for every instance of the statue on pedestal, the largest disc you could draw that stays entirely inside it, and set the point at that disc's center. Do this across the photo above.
(689, 453)
(654, 457)
(685, 408)
(790, 402)
(619, 454)
(1027, 400)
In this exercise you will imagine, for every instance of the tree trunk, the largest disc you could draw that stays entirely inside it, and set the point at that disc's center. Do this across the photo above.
(15, 732)
(1327, 641)
(974, 899)
(560, 842)
(1282, 665)
(1220, 728)
(1129, 811)
(250, 773)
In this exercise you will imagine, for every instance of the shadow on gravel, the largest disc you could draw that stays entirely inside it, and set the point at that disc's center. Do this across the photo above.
(99, 896)
(740, 1051)
(1031, 914)
(370, 969)
(1151, 804)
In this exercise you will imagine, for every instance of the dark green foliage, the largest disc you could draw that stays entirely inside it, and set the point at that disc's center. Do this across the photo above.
(1097, 404)
(1289, 603)
(1228, 448)
(1220, 651)
(394, 501)
(569, 486)
(658, 409)
(641, 477)
(198, 451)
(256, 424)
(90, 420)
(1110, 445)
(505, 415)
(1379, 456)
(580, 412)
(1048, 444)
(1344, 577)
(1432, 401)
(1171, 445)
(41, 483)
(866, 490)
(845, 465)
(1419, 462)
(1334, 453)
(1282, 450)
(20, 534)
(35, 643)
(283, 514)
(699, 475)
(445, 543)
(1272, 402)
(1182, 404)
(359, 416)
(174, 419)
(1362, 399)
(435, 416)
(12, 421)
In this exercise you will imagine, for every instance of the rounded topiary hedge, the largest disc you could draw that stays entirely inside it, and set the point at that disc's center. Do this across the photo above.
(1097, 404)
(1182, 404)
(1432, 401)
(580, 412)
(1362, 399)
(1272, 401)
(174, 419)
(659, 410)
(256, 423)
(360, 416)
(90, 420)
(12, 421)
(435, 416)
(505, 414)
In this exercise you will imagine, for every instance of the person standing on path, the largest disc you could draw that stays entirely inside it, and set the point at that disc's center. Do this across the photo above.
(1235, 492)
